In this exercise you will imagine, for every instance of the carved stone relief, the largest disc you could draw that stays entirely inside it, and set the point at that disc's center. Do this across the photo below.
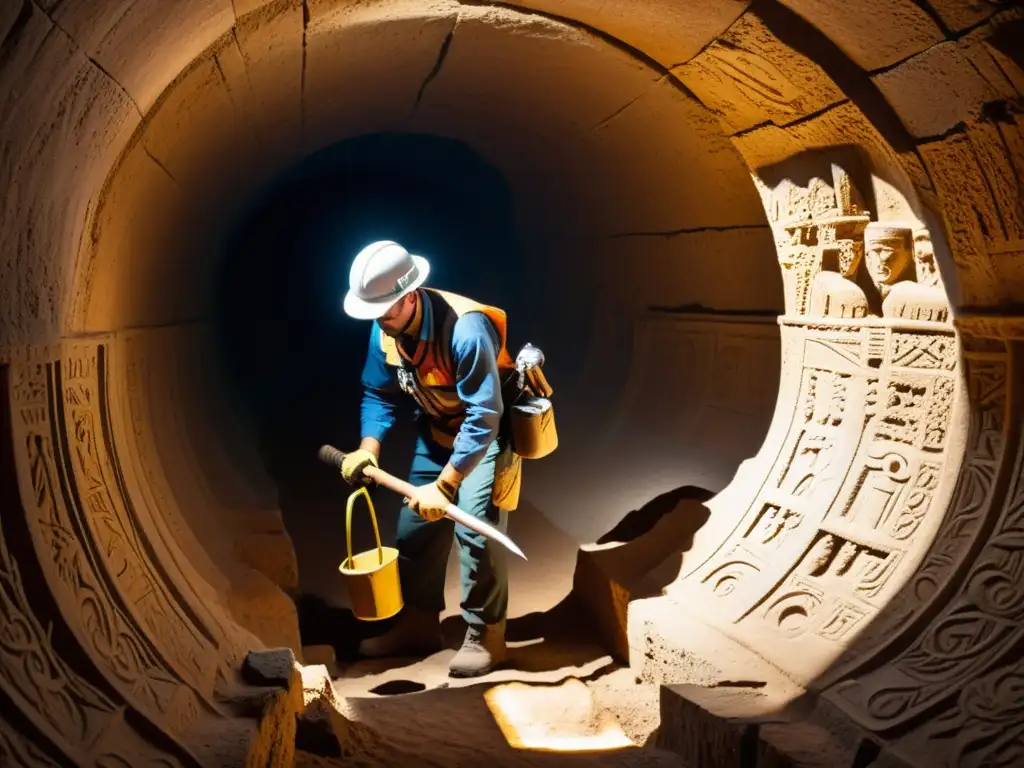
(71, 719)
(843, 522)
(982, 626)
(984, 728)
(958, 531)
(839, 263)
(183, 641)
(89, 560)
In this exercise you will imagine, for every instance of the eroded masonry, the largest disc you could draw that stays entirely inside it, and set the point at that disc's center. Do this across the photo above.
(866, 565)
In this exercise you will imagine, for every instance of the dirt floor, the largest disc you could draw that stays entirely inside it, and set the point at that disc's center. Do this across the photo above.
(560, 700)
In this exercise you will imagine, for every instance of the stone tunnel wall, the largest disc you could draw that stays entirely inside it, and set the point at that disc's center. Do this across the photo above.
(872, 549)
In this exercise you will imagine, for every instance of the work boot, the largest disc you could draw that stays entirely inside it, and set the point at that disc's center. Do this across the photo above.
(481, 651)
(417, 632)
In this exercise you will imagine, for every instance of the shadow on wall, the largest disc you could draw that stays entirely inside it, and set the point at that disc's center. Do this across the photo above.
(639, 521)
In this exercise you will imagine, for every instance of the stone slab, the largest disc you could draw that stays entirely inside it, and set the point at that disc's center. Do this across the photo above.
(874, 33)
(941, 87)
(269, 667)
(714, 725)
(145, 44)
(320, 655)
(693, 25)
(748, 77)
(958, 15)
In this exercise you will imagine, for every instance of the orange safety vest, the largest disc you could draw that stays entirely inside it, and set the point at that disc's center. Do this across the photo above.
(432, 366)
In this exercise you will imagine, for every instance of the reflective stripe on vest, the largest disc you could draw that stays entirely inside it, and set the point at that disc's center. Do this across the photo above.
(435, 371)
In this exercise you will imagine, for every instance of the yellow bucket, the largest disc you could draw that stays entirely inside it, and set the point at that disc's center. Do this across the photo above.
(371, 576)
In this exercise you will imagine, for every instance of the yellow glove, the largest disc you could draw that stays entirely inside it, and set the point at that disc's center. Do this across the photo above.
(354, 463)
(430, 501)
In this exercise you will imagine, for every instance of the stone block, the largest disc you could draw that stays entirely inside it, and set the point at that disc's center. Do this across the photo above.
(269, 667)
(604, 599)
(714, 725)
(62, 123)
(609, 576)
(145, 44)
(981, 207)
(807, 745)
(874, 33)
(959, 15)
(321, 728)
(748, 76)
(321, 655)
(269, 42)
(693, 25)
(265, 734)
(194, 131)
(943, 86)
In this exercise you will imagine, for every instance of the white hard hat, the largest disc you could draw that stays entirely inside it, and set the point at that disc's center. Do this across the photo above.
(382, 273)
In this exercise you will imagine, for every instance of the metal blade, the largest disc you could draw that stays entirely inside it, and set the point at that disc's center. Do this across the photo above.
(483, 528)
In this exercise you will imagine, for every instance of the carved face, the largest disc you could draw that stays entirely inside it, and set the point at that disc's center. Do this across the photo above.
(924, 254)
(888, 257)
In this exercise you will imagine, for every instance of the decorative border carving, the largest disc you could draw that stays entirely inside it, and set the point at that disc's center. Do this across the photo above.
(850, 504)
(985, 622)
(115, 643)
(1008, 327)
(85, 725)
(184, 641)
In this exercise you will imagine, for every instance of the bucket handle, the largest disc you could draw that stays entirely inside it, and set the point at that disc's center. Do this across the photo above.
(348, 524)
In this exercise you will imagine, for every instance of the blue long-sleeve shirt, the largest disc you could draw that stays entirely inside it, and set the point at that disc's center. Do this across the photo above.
(475, 346)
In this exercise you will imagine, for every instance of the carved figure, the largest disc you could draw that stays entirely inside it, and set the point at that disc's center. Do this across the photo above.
(834, 292)
(889, 255)
(924, 299)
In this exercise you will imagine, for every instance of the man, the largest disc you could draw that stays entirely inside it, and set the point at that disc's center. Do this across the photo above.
(448, 353)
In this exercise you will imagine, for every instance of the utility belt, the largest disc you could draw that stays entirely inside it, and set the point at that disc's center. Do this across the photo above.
(530, 419)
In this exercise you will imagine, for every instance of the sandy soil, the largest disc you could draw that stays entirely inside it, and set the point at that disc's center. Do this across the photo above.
(560, 700)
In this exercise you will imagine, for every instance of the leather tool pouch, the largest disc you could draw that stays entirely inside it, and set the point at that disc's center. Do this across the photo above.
(532, 416)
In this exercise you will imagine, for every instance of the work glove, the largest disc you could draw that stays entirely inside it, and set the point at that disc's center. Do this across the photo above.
(354, 463)
(431, 500)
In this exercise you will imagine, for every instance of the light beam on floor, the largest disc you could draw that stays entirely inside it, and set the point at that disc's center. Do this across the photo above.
(549, 718)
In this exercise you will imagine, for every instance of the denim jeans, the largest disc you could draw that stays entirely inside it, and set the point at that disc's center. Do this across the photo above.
(423, 547)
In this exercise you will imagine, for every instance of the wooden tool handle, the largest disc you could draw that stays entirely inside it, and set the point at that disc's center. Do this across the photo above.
(331, 455)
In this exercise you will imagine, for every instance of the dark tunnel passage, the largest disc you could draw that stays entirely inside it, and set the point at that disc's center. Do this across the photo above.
(772, 250)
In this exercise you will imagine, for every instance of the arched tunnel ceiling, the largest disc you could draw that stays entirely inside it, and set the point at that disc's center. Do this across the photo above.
(879, 518)
(284, 80)
(592, 141)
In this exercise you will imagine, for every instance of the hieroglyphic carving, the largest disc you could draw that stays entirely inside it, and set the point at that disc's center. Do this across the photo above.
(115, 530)
(918, 501)
(119, 649)
(880, 487)
(836, 530)
(829, 563)
(924, 350)
(800, 259)
(737, 565)
(982, 624)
